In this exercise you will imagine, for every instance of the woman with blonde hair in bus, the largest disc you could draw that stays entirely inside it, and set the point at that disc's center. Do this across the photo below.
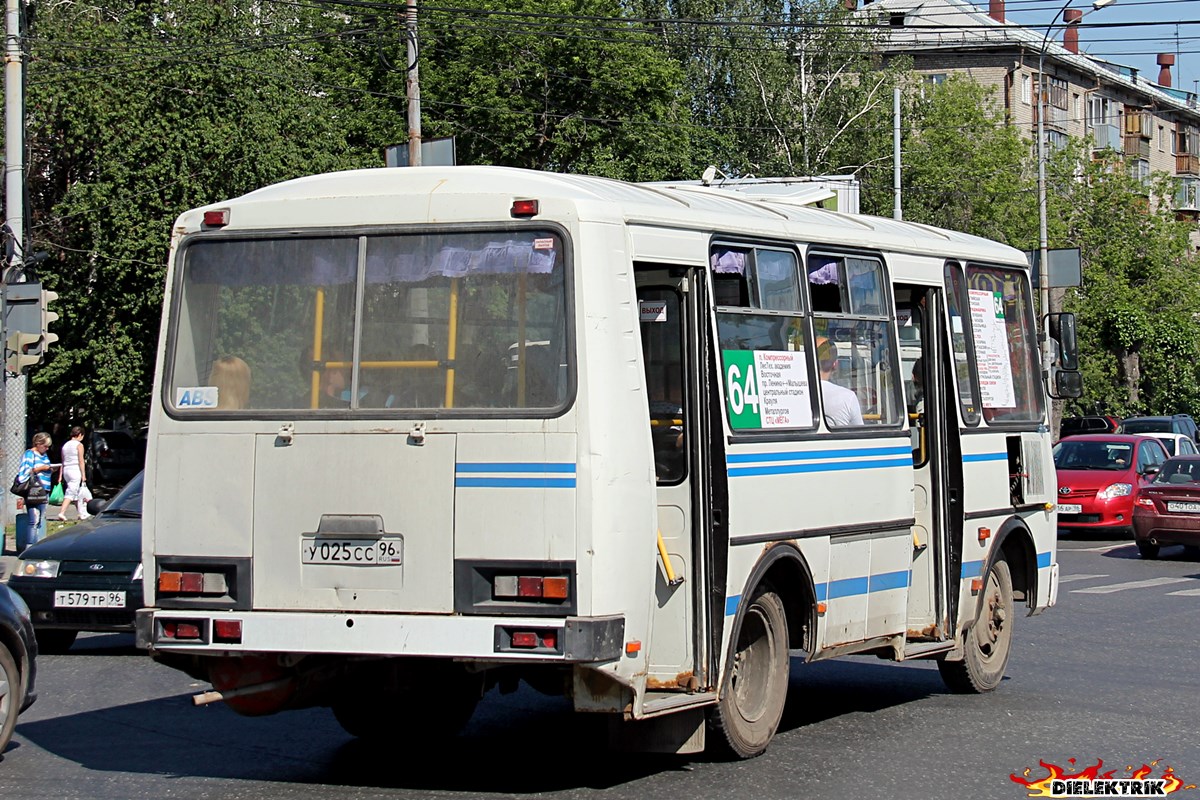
(231, 376)
(74, 475)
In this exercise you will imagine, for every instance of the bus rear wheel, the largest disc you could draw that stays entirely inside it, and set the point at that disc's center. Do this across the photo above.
(756, 680)
(988, 643)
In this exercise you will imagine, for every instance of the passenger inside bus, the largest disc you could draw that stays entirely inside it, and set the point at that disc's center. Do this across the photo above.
(841, 405)
(334, 382)
(231, 376)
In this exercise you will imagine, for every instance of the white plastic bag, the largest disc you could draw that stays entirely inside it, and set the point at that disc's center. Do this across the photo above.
(85, 494)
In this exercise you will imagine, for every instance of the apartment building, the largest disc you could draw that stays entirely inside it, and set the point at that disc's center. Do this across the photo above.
(1154, 125)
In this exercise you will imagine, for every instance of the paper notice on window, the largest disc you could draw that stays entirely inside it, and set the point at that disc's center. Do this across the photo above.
(991, 349)
(767, 389)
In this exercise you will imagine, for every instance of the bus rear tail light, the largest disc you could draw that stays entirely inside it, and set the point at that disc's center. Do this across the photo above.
(531, 587)
(181, 630)
(528, 640)
(192, 583)
(227, 631)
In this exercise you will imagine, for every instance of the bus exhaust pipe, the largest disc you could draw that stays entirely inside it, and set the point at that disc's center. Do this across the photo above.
(214, 696)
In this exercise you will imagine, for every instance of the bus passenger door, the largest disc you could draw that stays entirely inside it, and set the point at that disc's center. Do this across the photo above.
(937, 466)
(667, 307)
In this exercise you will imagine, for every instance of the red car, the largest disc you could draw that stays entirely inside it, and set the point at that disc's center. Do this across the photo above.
(1099, 475)
(1167, 510)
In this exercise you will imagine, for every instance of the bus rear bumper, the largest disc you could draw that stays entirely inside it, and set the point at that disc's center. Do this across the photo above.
(567, 639)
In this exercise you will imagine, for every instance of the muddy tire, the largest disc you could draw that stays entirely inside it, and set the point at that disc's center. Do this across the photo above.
(756, 680)
(988, 642)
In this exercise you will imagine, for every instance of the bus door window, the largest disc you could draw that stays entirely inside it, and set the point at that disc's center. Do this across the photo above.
(663, 340)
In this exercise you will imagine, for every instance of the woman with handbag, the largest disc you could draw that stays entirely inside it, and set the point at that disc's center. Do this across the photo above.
(74, 475)
(35, 462)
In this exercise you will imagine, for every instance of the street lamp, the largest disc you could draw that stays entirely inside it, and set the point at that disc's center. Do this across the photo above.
(1043, 244)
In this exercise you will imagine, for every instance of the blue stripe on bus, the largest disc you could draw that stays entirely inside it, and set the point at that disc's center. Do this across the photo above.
(825, 466)
(972, 569)
(845, 587)
(969, 457)
(1043, 560)
(887, 581)
(484, 466)
(517, 483)
(797, 455)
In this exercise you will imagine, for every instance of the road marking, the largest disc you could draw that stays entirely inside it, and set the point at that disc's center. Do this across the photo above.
(1069, 578)
(1186, 593)
(1120, 587)
(1104, 548)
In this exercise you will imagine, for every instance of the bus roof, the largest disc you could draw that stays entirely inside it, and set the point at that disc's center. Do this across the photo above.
(484, 193)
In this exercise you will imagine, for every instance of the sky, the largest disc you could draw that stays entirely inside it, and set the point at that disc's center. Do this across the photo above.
(1129, 32)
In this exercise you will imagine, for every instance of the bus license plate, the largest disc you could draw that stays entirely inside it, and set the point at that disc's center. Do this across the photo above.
(1189, 508)
(360, 552)
(1070, 508)
(69, 599)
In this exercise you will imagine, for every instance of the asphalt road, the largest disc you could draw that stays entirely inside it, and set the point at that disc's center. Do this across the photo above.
(1109, 674)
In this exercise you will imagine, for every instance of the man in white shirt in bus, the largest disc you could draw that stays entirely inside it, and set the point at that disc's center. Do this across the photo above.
(842, 408)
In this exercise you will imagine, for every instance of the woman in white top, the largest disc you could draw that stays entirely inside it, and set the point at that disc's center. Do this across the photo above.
(74, 474)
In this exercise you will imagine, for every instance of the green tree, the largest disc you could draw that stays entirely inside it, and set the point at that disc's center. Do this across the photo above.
(134, 114)
(1141, 286)
(964, 168)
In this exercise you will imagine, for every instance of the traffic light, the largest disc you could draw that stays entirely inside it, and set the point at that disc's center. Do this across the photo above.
(22, 350)
(48, 316)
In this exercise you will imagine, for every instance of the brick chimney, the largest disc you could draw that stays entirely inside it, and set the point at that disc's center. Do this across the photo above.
(996, 10)
(1071, 34)
(1165, 62)
(851, 5)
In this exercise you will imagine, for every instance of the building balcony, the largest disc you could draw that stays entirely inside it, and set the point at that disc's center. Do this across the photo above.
(1137, 147)
(1107, 137)
(1187, 164)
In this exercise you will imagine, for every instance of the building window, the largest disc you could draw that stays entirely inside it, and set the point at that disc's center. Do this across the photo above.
(1026, 89)
(1076, 108)
(936, 79)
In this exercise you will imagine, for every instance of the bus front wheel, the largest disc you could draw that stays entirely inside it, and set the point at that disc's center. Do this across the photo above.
(756, 680)
(989, 641)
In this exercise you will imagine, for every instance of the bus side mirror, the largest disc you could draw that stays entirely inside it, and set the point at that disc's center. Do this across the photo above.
(1062, 333)
(1065, 384)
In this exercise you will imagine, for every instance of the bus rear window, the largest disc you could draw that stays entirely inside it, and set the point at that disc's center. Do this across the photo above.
(380, 322)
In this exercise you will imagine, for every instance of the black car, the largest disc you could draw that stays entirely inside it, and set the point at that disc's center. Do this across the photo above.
(1176, 423)
(87, 577)
(18, 662)
(112, 459)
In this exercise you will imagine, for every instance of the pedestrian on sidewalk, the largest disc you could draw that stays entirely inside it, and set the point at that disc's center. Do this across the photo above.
(74, 475)
(36, 462)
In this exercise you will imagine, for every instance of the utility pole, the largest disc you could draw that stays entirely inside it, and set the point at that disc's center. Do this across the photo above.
(897, 212)
(12, 390)
(414, 87)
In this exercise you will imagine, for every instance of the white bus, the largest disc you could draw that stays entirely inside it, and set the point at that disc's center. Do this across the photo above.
(421, 432)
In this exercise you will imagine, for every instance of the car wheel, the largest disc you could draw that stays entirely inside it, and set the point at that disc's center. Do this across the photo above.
(988, 643)
(1191, 551)
(54, 642)
(10, 696)
(756, 681)
(1146, 550)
